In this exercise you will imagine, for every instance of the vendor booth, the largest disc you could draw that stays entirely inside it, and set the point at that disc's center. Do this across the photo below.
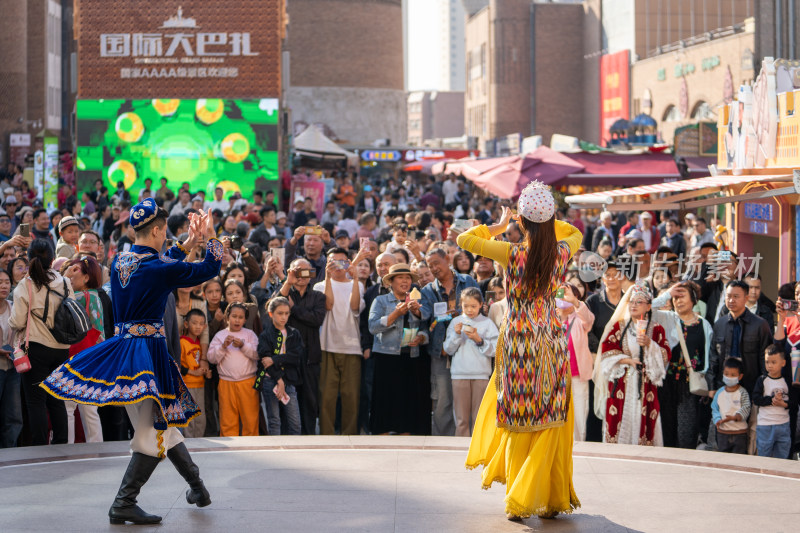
(755, 178)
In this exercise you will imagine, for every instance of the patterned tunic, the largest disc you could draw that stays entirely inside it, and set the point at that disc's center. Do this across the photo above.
(533, 375)
(532, 363)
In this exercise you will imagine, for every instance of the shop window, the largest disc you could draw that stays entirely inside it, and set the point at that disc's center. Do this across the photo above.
(702, 112)
(672, 114)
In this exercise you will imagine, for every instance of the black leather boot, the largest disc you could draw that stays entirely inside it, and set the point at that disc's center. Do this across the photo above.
(124, 508)
(197, 493)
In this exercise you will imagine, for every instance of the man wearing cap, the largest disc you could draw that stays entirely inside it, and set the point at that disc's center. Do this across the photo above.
(604, 230)
(10, 205)
(198, 203)
(650, 234)
(69, 230)
(134, 367)
(342, 239)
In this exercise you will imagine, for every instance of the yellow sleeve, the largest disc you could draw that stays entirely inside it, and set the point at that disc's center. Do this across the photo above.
(570, 234)
(479, 241)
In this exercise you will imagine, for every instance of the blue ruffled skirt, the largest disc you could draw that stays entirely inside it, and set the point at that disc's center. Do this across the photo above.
(130, 367)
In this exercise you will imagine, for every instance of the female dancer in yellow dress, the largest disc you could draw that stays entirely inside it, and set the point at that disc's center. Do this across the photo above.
(523, 433)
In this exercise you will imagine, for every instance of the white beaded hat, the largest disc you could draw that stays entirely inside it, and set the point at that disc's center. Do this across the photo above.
(536, 203)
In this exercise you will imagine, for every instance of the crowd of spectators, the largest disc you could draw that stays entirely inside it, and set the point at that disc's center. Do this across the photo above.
(366, 318)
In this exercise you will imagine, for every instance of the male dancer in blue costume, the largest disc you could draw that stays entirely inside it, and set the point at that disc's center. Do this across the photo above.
(133, 368)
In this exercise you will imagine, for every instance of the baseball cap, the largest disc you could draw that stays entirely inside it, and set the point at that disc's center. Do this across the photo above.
(279, 215)
(198, 198)
(341, 233)
(646, 214)
(8, 190)
(11, 199)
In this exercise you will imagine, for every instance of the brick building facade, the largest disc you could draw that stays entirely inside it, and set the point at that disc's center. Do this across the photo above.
(346, 68)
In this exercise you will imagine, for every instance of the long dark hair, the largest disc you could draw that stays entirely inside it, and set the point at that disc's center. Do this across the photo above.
(541, 259)
(40, 256)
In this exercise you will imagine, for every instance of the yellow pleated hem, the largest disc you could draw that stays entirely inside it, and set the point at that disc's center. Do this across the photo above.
(535, 466)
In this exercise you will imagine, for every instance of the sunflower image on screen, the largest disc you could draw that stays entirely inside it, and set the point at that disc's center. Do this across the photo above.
(208, 142)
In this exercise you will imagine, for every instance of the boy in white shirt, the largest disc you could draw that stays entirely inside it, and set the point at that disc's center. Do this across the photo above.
(340, 340)
(771, 394)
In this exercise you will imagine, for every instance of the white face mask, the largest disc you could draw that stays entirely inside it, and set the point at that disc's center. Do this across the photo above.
(729, 381)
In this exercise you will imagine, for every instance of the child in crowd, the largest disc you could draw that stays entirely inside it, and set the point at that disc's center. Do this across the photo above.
(496, 303)
(233, 350)
(194, 324)
(471, 340)
(730, 409)
(280, 348)
(771, 394)
(69, 231)
(577, 321)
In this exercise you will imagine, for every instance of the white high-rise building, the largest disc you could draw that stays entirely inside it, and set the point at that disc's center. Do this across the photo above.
(453, 58)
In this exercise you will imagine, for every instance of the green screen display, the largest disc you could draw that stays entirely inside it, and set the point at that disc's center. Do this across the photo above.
(207, 142)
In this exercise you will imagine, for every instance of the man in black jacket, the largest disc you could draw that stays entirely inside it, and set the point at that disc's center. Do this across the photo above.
(308, 313)
(742, 335)
(382, 264)
(757, 302)
(739, 334)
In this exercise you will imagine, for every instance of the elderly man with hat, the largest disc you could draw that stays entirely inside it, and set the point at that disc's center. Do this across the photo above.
(134, 367)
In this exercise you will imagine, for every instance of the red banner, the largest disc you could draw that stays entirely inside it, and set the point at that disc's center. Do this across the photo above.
(614, 90)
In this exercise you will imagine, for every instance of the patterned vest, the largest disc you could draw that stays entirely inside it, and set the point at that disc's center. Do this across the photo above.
(533, 377)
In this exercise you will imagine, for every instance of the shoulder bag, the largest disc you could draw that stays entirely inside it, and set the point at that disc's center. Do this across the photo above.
(22, 362)
(697, 380)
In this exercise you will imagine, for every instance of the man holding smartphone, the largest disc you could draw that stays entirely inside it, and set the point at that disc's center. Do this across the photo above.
(308, 314)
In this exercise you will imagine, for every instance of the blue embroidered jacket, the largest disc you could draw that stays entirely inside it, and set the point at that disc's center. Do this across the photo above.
(141, 281)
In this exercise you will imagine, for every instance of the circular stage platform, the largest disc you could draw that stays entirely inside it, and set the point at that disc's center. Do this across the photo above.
(394, 484)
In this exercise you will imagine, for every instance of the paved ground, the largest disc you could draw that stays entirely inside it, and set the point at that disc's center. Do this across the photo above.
(400, 484)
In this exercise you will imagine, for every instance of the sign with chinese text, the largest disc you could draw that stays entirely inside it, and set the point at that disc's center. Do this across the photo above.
(760, 218)
(614, 90)
(178, 48)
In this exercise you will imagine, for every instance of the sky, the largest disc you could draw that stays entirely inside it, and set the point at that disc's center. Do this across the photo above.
(423, 44)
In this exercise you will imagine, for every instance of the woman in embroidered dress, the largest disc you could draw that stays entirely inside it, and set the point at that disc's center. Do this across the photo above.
(86, 276)
(634, 355)
(523, 432)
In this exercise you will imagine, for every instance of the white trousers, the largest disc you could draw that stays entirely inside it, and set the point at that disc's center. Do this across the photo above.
(146, 439)
(580, 402)
(90, 419)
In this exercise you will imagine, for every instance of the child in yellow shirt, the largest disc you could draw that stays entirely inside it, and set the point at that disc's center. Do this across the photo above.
(191, 357)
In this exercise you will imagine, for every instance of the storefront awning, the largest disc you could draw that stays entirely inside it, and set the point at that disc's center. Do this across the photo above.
(642, 166)
(678, 194)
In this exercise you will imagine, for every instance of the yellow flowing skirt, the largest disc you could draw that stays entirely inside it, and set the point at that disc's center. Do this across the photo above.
(536, 467)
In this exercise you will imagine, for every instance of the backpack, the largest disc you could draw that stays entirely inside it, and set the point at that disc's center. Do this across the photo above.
(70, 323)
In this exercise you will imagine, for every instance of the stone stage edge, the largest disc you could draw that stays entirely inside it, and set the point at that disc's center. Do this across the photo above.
(394, 484)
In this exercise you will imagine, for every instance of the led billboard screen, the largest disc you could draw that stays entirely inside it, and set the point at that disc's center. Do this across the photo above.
(206, 142)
